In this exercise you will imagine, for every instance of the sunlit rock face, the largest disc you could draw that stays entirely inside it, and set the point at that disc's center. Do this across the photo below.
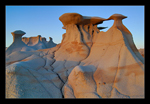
(76, 42)
(113, 69)
(88, 63)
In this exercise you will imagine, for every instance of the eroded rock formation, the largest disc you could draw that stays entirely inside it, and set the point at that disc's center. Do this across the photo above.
(115, 65)
(39, 42)
(76, 42)
(88, 63)
(28, 44)
(17, 44)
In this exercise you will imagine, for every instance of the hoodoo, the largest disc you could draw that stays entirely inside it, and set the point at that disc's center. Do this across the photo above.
(117, 70)
(88, 63)
(17, 44)
(76, 42)
(126, 34)
(17, 35)
(26, 44)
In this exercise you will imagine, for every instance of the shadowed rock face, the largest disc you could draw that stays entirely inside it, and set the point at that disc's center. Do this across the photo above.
(38, 42)
(141, 51)
(17, 35)
(88, 63)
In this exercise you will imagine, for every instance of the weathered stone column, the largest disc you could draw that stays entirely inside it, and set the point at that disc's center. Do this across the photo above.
(17, 44)
(126, 34)
(17, 35)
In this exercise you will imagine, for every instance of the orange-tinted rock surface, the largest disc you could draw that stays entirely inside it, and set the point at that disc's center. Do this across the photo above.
(88, 63)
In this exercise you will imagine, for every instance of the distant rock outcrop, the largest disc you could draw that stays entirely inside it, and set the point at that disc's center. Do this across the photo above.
(88, 63)
(17, 44)
(39, 42)
(28, 44)
(50, 43)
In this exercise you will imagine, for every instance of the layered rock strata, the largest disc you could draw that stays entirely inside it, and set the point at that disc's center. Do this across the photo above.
(76, 42)
(28, 44)
(117, 68)
(88, 63)
(17, 44)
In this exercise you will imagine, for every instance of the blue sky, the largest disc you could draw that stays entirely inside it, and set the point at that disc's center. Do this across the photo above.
(44, 20)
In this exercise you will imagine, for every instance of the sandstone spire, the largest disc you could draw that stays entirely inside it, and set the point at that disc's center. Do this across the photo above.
(118, 22)
(126, 33)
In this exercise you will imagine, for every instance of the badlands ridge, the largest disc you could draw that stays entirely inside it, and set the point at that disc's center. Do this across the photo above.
(88, 63)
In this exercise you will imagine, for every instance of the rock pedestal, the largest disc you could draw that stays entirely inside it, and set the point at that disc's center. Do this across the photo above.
(17, 35)
(17, 44)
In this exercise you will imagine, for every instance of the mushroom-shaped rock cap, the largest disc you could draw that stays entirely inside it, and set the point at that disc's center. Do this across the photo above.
(70, 18)
(92, 20)
(18, 32)
(75, 18)
(38, 35)
(117, 16)
(97, 20)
